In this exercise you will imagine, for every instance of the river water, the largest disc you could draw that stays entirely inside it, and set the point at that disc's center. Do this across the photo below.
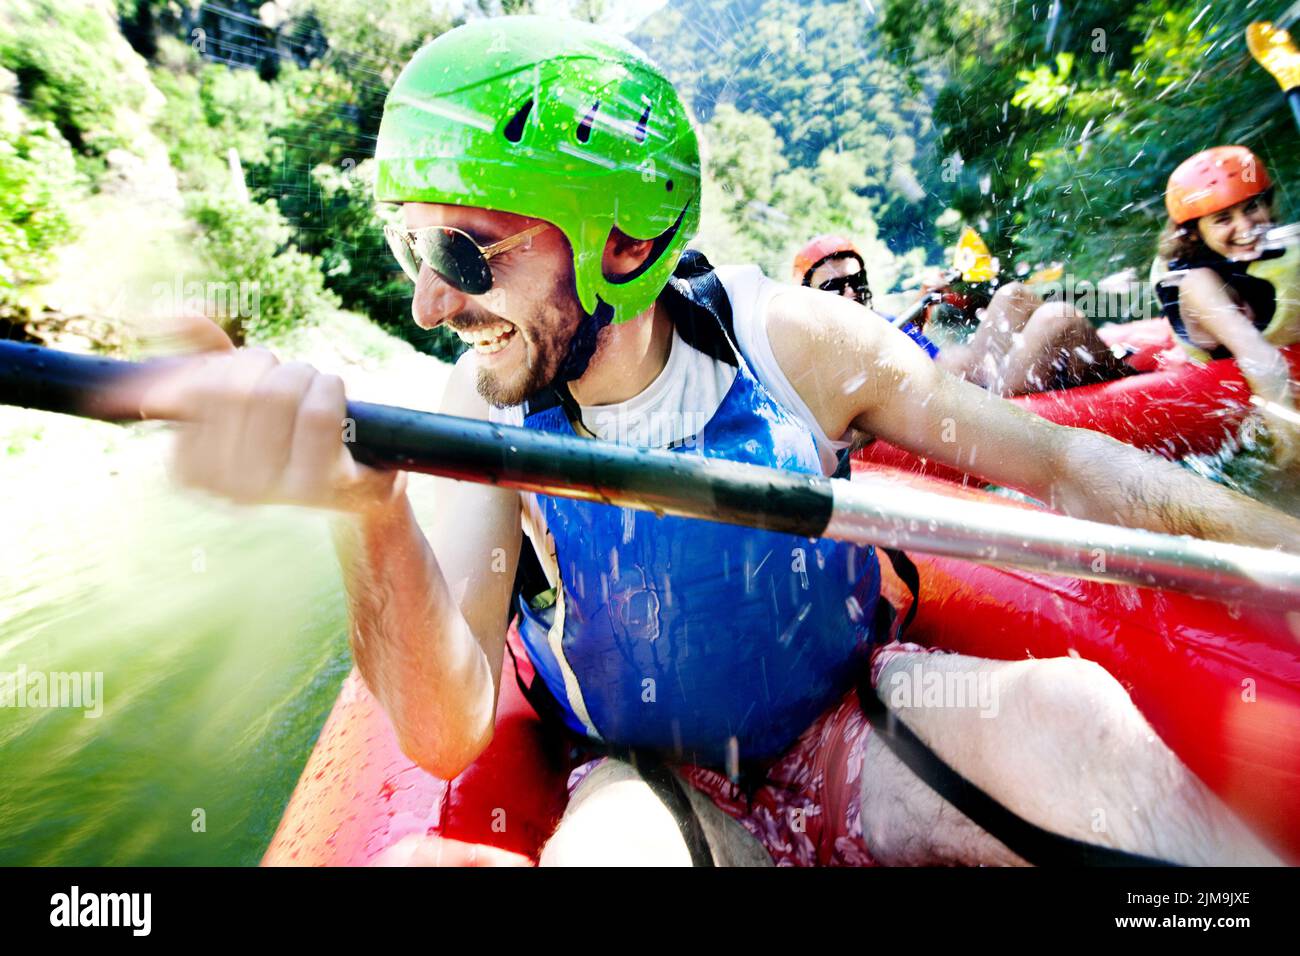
(220, 635)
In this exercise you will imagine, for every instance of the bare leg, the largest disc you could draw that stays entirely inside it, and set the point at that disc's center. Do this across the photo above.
(1064, 748)
(1058, 347)
(1023, 345)
(981, 359)
(1059, 743)
(615, 819)
(1007, 314)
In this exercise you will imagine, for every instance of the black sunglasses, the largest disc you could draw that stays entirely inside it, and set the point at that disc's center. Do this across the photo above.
(856, 281)
(452, 254)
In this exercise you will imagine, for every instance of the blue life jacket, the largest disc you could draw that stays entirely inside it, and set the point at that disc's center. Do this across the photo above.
(913, 332)
(712, 643)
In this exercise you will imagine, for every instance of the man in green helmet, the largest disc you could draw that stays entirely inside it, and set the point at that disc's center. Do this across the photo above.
(549, 179)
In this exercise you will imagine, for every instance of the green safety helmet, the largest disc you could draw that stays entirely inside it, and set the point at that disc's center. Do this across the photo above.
(553, 119)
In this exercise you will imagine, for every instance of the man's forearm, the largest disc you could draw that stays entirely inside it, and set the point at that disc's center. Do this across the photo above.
(1105, 480)
(410, 640)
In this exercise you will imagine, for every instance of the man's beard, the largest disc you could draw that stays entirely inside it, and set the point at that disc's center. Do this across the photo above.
(544, 348)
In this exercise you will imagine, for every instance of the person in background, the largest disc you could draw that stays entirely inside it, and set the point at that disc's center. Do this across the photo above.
(832, 263)
(1022, 344)
(1224, 293)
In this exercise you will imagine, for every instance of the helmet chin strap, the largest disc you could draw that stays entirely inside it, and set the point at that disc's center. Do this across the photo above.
(583, 344)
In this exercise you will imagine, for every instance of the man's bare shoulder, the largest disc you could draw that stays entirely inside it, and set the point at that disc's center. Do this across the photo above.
(829, 347)
(461, 397)
(795, 311)
(803, 321)
(819, 342)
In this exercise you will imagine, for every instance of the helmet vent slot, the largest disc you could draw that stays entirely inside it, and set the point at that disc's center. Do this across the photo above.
(584, 128)
(641, 125)
(514, 130)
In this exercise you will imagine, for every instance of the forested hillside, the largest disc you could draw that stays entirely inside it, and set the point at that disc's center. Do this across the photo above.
(808, 127)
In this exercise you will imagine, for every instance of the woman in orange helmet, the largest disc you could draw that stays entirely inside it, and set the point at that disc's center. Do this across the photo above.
(1225, 293)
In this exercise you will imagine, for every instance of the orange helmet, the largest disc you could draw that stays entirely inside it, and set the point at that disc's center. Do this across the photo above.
(1212, 180)
(818, 251)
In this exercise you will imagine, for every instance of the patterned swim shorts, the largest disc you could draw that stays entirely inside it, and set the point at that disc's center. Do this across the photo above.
(807, 812)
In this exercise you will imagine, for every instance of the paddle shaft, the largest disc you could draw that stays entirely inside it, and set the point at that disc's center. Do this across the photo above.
(916, 310)
(870, 510)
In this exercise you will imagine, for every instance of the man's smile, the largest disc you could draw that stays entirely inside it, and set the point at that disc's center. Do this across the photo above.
(490, 338)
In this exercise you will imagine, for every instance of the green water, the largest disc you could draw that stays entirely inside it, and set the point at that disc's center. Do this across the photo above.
(220, 634)
(1248, 468)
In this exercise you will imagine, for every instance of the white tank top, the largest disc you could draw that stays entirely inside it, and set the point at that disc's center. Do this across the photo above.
(687, 393)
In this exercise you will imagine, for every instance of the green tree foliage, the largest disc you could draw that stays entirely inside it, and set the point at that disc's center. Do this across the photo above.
(38, 182)
(320, 138)
(355, 256)
(303, 137)
(247, 243)
(69, 73)
(759, 208)
(814, 73)
(1068, 117)
(371, 42)
(210, 110)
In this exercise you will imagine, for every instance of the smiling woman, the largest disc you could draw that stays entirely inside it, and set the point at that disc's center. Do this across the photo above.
(1227, 291)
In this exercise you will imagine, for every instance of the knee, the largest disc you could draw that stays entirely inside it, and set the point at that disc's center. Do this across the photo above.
(1055, 322)
(580, 841)
(1015, 297)
(1079, 699)
(614, 820)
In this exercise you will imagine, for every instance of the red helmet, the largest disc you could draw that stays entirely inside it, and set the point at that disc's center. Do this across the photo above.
(1213, 180)
(818, 251)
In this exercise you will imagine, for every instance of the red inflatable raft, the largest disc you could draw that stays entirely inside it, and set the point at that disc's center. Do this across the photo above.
(1219, 683)
(1180, 408)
